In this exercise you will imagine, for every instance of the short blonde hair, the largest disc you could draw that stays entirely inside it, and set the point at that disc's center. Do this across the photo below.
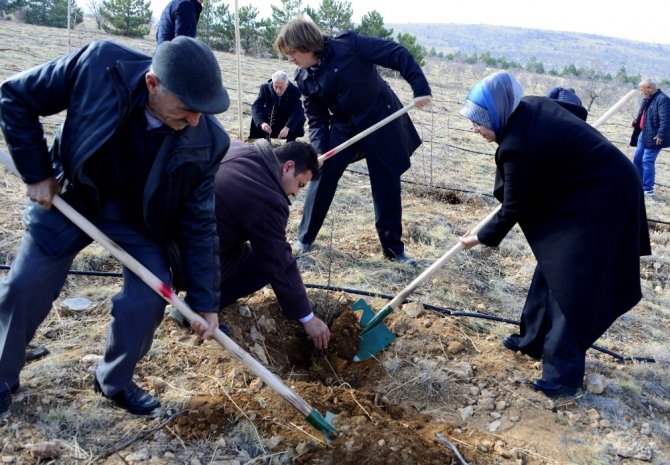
(299, 34)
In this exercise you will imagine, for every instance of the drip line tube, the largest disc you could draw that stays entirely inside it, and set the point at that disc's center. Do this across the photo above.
(435, 308)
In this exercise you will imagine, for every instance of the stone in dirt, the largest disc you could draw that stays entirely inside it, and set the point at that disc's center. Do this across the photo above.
(44, 450)
(259, 352)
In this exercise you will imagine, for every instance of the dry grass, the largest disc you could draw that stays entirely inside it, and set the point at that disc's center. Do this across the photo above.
(57, 403)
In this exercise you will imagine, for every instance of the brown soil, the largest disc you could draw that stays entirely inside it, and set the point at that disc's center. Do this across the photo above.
(442, 374)
(372, 430)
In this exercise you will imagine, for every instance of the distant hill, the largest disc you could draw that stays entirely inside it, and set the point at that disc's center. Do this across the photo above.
(554, 49)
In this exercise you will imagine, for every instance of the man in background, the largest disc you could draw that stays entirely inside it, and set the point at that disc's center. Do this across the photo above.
(179, 18)
(277, 111)
(651, 132)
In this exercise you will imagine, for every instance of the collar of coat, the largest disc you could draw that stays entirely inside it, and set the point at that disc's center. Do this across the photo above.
(271, 162)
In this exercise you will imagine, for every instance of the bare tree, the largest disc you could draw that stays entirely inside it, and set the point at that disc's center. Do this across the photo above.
(95, 5)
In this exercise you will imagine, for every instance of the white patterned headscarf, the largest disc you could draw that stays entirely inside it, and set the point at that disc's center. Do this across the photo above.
(492, 100)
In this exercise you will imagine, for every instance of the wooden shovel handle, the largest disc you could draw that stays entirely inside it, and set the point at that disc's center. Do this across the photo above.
(169, 295)
(366, 132)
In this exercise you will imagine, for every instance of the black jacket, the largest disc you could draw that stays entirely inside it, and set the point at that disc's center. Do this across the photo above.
(578, 201)
(179, 18)
(278, 112)
(656, 120)
(99, 86)
(345, 94)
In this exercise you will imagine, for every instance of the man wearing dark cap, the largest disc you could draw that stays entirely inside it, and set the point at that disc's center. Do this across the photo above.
(137, 154)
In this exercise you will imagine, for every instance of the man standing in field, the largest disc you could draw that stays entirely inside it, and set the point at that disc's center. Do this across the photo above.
(136, 154)
(651, 132)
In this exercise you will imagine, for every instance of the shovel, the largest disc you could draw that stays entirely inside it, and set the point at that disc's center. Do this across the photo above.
(366, 132)
(312, 415)
(375, 335)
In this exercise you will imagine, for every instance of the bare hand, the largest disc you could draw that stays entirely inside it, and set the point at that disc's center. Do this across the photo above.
(318, 332)
(469, 240)
(206, 332)
(43, 192)
(659, 140)
(283, 133)
(266, 127)
(423, 102)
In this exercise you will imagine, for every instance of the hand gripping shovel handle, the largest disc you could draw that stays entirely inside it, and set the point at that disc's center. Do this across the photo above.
(383, 313)
(151, 280)
(367, 132)
(430, 271)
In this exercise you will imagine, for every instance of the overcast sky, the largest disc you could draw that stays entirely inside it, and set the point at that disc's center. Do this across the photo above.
(647, 21)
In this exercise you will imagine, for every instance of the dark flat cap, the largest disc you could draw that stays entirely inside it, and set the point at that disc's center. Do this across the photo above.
(188, 69)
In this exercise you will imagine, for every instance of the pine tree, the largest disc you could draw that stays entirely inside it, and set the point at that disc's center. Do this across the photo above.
(417, 50)
(335, 16)
(288, 10)
(248, 27)
(216, 26)
(49, 12)
(372, 24)
(129, 18)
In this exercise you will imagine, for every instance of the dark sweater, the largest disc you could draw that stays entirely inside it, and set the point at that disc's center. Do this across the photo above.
(252, 206)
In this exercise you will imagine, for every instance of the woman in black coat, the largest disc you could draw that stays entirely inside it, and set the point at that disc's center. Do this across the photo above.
(578, 201)
(343, 95)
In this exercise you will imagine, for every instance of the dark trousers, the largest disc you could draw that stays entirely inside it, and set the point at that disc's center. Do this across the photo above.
(35, 281)
(242, 279)
(386, 197)
(546, 333)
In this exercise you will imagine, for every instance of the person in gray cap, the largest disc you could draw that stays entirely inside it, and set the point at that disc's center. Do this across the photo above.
(137, 154)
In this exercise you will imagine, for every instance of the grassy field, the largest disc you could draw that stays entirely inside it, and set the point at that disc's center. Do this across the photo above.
(444, 374)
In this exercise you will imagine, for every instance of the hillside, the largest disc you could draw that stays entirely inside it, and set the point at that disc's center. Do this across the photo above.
(554, 49)
(446, 373)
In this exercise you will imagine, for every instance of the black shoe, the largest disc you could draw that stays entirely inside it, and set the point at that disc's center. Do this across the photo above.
(5, 401)
(299, 247)
(6, 397)
(133, 399)
(401, 258)
(553, 390)
(510, 343)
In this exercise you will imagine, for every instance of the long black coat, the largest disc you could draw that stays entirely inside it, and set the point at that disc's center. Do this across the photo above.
(345, 94)
(578, 200)
(278, 112)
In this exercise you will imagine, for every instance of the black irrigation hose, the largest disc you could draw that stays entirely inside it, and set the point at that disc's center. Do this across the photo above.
(446, 311)
(348, 290)
(407, 181)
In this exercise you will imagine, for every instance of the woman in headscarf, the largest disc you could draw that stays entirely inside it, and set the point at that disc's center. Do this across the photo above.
(579, 203)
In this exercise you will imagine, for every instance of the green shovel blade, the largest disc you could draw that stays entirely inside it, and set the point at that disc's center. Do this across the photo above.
(373, 340)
